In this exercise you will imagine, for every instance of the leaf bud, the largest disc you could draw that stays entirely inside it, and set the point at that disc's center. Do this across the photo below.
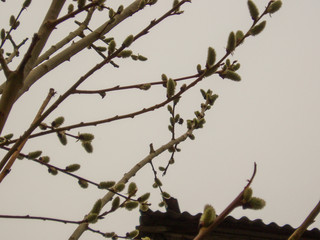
(45, 159)
(3, 34)
(97, 207)
(62, 138)
(111, 13)
(127, 42)
(239, 36)
(166, 195)
(211, 57)
(145, 87)
(35, 154)
(112, 47)
(157, 181)
(258, 28)
(120, 9)
(164, 77)
(231, 45)
(12, 20)
(73, 167)
(254, 12)
(247, 194)
(208, 216)
(86, 137)
(274, 7)
(57, 122)
(142, 58)
(130, 205)
(8, 136)
(83, 183)
(92, 218)
(144, 207)
(106, 185)
(26, 3)
(125, 53)
(53, 171)
(133, 234)
(87, 146)
(119, 187)
(255, 203)
(170, 87)
(231, 75)
(115, 203)
(70, 8)
(144, 197)
(132, 189)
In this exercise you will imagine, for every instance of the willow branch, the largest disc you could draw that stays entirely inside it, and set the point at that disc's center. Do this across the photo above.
(66, 40)
(40, 218)
(131, 173)
(306, 223)
(8, 164)
(234, 204)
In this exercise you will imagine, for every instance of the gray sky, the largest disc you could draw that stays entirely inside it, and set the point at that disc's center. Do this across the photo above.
(271, 117)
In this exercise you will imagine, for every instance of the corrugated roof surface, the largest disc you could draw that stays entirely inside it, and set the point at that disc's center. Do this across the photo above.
(185, 223)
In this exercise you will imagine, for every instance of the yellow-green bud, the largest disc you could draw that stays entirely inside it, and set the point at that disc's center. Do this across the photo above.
(211, 58)
(115, 203)
(247, 194)
(127, 42)
(119, 187)
(26, 3)
(62, 138)
(34, 154)
(53, 171)
(132, 189)
(45, 159)
(92, 218)
(70, 8)
(97, 207)
(255, 203)
(145, 87)
(86, 137)
(158, 182)
(170, 87)
(73, 167)
(208, 216)
(144, 207)
(231, 45)
(166, 195)
(12, 20)
(87, 146)
(254, 12)
(130, 205)
(144, 197)
(112, 47)
(132, 234)
(274, 7)
(111, 13)
(231, 75)
(83, 183)
(125, 53)
(3, 33)
(106, 185)
(239, 36)
(57, 122)
(142, 58)
(258, 28)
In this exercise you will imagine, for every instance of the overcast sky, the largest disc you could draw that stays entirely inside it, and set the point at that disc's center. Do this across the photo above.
(271, 117)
